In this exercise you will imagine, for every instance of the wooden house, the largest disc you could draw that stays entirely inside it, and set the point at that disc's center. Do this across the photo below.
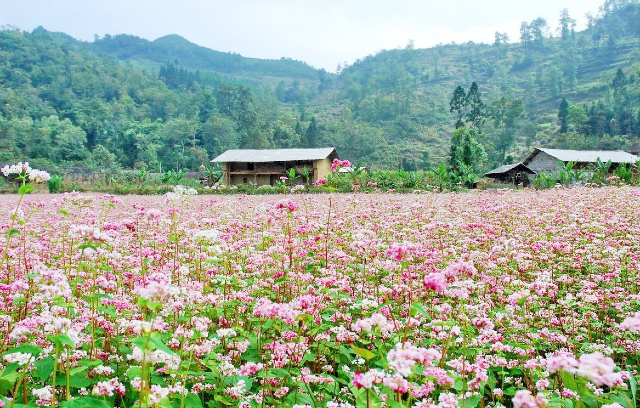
(266, 166)
(543, 160)
(511, 173)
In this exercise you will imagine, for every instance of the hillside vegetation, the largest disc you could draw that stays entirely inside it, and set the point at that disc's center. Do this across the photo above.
(123, 102)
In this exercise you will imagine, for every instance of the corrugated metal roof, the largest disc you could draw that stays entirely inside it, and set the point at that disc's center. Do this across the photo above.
(585, 156)
(506, 167)
(273, 155)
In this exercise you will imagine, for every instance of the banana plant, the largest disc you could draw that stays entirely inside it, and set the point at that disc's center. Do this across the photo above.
(441, 175)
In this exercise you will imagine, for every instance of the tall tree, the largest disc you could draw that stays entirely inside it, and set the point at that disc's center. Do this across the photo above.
(525, 36)
(567, 25)
(311, 135)
(538, 28)
(506, 114)
(476, 113)
(458, 104)
(466, 156)
(563, 114)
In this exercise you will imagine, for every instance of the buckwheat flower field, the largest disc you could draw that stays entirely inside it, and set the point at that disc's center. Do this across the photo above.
(479, 299)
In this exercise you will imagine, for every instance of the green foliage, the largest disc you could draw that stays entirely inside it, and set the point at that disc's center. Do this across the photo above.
(175, 48)
(467, 156)
(563, 114)
(56, 184)
(388, 109)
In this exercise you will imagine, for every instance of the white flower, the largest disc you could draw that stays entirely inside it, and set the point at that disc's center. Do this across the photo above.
(20, 358)
(23, 169)
(210, 235)
(222, 333)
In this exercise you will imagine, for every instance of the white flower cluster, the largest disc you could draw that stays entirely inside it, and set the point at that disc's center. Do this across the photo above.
(209, 235)
(183, 191)
(23, 169)
(222, 333)
(179, 194)
(20, 358)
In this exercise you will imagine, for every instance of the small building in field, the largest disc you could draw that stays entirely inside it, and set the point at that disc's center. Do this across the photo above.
(266, 166)
(511, 173)
(543, 160)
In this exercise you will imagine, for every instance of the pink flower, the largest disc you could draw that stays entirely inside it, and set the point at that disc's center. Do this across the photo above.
(524, 399)
(399, 251)
(631, 323)
(562, 360)
(287, 205)
(598, 369)
(250, 368)
(435, 281)
(337, 163)
(368, 379)
(320, 182)
(397, 384)
(405, 356)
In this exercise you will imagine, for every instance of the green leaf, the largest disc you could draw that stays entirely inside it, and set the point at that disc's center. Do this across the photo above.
(633, 386)
(419, 308)
(142, 343)
(366, 354)
(74, 381)
(45, 368)
(134, 372)
(13, 232)
(192, 400)
(63, 212)
(471, 402)
(567, 403)
(26, 348)
(10, 369)
(99, 296)
(589, 402)
(457, 384)
(85, 402)
(24, 189)
(568, 380)
(164, 403)
(77, 370)
(623, 399)
(61, 340)
(223, 400)
(159, 344)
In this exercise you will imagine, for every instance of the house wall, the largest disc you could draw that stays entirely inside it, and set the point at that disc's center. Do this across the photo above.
(543, 163)
(259, 179)
(321, 168)
(225, 170)
(263, 179)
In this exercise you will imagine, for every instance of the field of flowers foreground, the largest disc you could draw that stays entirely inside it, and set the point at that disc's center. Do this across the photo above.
(520, 298)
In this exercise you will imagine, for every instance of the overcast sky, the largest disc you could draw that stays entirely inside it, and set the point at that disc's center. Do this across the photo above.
(322, 33)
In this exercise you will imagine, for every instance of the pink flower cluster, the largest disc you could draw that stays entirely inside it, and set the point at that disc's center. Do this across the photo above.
(631, 323)
(337, 164)
(437, 299)
(595, 367)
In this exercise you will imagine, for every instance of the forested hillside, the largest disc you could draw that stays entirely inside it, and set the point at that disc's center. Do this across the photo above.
(126, 102)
